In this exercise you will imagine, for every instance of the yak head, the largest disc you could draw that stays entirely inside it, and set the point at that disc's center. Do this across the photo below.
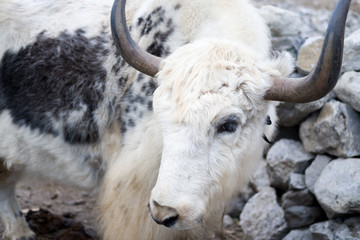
(211, 104)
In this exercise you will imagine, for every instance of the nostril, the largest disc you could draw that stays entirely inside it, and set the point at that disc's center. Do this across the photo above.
(169, 222)
(155, 203)
(163, 215)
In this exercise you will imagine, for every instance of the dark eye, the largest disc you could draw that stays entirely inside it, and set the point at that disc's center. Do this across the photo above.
(228, 126)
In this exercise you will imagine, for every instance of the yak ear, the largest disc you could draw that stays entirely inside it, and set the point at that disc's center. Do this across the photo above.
(282, 64)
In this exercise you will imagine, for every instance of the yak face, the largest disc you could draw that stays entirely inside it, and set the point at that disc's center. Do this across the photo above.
(210, 107)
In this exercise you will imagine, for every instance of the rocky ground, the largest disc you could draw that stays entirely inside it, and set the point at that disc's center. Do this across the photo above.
(293, 201)
(308, 186)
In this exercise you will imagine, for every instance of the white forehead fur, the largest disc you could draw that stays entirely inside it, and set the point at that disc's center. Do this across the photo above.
(211, 74)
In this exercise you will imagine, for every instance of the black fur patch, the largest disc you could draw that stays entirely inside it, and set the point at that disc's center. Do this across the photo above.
(157, 28)
(150, 106)
(53, 77)
(140, 78)
(120, 63)
(136, 101)
(151, 21)
(122, 81)
(158, 48)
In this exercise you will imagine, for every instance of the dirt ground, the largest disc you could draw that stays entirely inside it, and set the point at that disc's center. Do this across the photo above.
(76, 205)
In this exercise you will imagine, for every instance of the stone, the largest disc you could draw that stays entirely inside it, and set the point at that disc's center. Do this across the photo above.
(246, 193)
(260, 178)
(316, 13)
(283, 22)
(285, 157)
(301, 216)
(227, 221)
(297, 181)
(324, 230)
(237, 203)
(348, 89)
(262, 218)
(338, 187)
(291, 114)
(297, 198)
(309, 54)
(335, 130)
(318, 4)
(235, 207)
(290, 44)
(351, 59)
(350, 229)
(336, 229)
(313, 172)
(346, 233)
(303, 234)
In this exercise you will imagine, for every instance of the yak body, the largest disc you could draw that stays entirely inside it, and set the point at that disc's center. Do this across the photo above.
(73, 111)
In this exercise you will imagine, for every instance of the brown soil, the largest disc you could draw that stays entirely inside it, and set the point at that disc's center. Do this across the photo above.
(56, 212)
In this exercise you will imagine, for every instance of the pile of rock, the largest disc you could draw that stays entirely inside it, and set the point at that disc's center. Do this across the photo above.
(308, 187)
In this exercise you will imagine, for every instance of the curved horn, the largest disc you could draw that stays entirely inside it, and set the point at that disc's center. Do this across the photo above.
(323, 79)
(129, 50)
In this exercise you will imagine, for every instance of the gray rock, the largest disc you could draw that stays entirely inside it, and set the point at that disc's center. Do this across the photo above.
(346, 233)
(336, 230)
(235, 207)
(335, 130)
(303, 234)
(246, 193)
(309, 54)
(351, 59)
(301, 216)
(262, 218)
(316, 6)
(348, 89)
(285, 157)
(324, 230)
(291, 114)
(313, 172)
(338, 187)
(290, 44)
(349, 230)
(297, 198)
(260, 179)
(283, 22)
(236, 204)
(227, 221)
(297, 181)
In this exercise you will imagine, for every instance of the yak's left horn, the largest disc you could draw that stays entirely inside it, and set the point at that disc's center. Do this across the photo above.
(129, 50)
(326, 73)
